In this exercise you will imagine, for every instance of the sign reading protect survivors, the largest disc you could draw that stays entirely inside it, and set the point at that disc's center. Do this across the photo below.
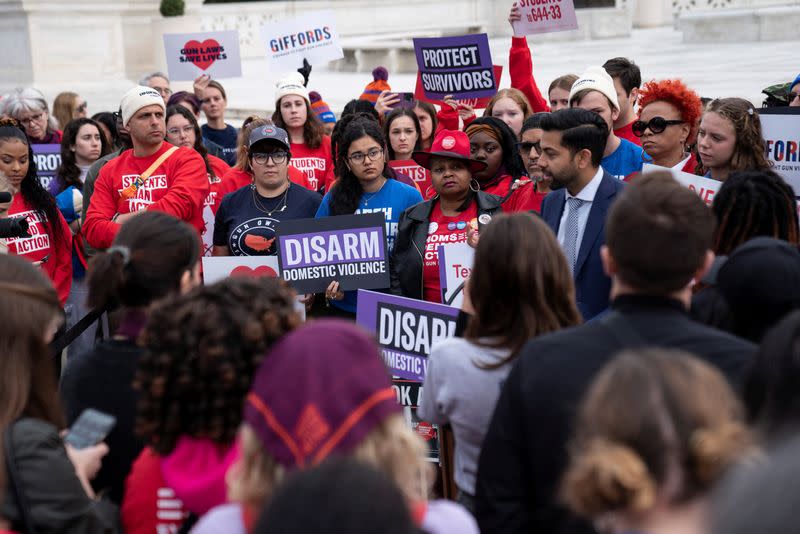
(212, 53)
(781, 130)
(350, 249)
(459, 66)
(406, 329)
(474, 103)
(47, 159)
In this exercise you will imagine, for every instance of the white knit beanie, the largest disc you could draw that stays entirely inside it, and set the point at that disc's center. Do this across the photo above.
(292, 84)
(138, 98)
(596, 79)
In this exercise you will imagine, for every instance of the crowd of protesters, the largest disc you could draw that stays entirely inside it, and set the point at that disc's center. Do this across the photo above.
(626, 357)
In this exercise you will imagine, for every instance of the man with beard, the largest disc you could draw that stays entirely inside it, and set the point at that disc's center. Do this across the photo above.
(572, 146)
(153, 175)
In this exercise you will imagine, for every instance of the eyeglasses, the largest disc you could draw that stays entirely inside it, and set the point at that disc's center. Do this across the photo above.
(276, 157)
(656, 125)
(163, 91)
(177, 131)
(526, 146)
(358, 157)
(33, 118)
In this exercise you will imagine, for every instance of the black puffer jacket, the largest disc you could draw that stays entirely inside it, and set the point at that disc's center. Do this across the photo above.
(412, 232)
(56, 499)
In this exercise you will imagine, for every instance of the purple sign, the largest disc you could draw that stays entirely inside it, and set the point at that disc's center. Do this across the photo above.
(350, 249)
(405, 329)
(459, 66)
(47, 159)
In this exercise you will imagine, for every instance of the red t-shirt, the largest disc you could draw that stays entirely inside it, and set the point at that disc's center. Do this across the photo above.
(43, 244)
(626, 132)
(149, 505)
(441, 230)
(179, 187)
(524, 197)
(315, 163)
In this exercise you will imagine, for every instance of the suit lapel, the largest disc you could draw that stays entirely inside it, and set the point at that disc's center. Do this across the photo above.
(553, 215)
(597, 217)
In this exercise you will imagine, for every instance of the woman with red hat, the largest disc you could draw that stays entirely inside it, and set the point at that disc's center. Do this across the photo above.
(458, 204)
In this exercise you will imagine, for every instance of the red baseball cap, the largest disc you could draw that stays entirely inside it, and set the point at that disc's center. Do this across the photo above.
(449, 144)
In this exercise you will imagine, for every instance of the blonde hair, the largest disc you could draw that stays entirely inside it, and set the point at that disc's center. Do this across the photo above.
(514, 94)
(391, 447)
(64, 108)
(654, 422)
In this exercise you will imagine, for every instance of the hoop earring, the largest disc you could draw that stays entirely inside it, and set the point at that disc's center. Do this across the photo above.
(477, 185)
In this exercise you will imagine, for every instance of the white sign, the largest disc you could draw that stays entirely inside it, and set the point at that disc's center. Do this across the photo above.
(312, 36)
(455, 266)
(705, 188)
(217, 268)
(782, 139)
(214, 53)
(545, 16)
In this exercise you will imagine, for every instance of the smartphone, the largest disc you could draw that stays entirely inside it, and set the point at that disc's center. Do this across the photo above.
(91, 427)
(406, 101)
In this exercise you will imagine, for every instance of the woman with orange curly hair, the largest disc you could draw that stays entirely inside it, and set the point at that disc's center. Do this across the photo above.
(669, 113)
(656, 432)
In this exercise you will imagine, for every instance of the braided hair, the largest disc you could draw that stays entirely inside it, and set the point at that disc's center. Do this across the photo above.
(31, 188)
(346, 193)
(751, 204)
(201, 351)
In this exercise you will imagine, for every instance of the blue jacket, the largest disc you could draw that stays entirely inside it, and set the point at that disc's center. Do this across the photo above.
(592, 286)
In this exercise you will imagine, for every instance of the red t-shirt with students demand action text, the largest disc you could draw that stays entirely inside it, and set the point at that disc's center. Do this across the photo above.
(315, 163)
(179, 187)
(442, 230)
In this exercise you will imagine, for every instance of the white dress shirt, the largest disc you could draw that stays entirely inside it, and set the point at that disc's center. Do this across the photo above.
(587, 195)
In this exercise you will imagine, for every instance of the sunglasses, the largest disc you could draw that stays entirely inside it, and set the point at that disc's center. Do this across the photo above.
(526, 146)
(656, 125)
(82, 107)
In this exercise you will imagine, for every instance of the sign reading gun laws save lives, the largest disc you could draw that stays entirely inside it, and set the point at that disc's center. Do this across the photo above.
(212, 53)
(350, 249)
(459, 66)
(704, 187)
(406, 329)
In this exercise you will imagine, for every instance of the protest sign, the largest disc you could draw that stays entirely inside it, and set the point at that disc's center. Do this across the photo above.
(350, 249)
(781, 131)
(418, 173)
(312, 36)
(47, 159)
(545, 16)
(455, 266)
(217, 268)
(459, 66)
(704, 187)
(192, 54)
(474, 103)
(408, 396)
(406, 329)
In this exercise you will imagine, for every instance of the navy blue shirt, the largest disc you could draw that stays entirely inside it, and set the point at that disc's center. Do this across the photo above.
(243, 225)
(226, 139)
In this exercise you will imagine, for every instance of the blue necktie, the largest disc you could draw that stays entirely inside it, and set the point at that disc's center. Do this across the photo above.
(571, 232)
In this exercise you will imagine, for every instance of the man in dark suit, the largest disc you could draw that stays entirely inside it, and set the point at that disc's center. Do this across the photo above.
(659, 239)
(572, 147)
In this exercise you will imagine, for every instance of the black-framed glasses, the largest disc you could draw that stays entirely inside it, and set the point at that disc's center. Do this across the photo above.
(656, 125)
(526, 146)
(277, 157)
(358, 157)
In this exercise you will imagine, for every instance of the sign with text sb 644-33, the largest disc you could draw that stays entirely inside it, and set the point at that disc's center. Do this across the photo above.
(312, 37)
(350, 249)
(545, 16)
(192, 54)
(459, 66)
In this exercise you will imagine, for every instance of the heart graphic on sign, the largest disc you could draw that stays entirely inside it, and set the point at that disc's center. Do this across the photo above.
(263, 270)
(204, 54)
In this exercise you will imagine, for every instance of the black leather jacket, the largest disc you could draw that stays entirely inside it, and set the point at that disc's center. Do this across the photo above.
(412, 231)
